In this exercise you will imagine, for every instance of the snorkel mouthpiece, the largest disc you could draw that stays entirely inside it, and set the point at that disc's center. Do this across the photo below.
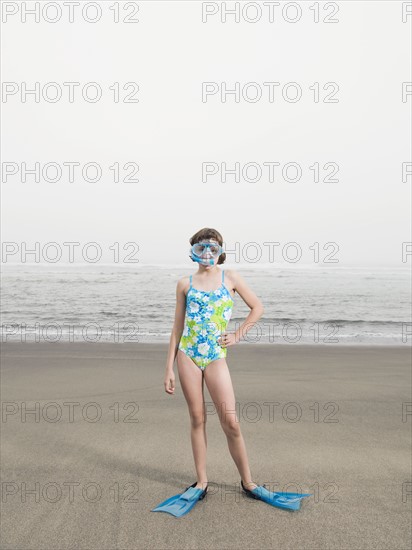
(203, 261)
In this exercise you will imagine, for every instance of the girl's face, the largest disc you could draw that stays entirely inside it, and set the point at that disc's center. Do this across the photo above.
(206, 251)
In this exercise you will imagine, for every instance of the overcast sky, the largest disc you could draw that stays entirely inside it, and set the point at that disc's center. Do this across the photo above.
(177, 141)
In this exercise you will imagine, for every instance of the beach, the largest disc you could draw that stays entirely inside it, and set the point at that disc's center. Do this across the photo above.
(91, 443)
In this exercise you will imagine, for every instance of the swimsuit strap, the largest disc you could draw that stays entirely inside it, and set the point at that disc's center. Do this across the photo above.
(223, 275)
(190, 281)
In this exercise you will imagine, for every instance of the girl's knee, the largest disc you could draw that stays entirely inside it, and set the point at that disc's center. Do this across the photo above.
(231, 427)
(197, 419)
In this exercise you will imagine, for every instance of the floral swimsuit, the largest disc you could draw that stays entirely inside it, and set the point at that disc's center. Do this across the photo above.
(207, 316)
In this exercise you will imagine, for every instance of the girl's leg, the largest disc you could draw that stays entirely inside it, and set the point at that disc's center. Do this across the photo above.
(191, 380)
(219, 384)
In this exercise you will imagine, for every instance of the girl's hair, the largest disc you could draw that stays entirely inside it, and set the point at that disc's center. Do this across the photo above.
(209, 233)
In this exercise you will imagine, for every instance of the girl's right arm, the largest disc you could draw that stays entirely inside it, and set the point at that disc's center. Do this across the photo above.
(177, 331)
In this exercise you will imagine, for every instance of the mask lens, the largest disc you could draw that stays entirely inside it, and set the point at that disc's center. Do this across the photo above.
(214, 249)
(201, 249)
(198, 249)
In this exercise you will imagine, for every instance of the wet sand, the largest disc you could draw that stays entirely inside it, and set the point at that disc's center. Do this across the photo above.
(91, 442)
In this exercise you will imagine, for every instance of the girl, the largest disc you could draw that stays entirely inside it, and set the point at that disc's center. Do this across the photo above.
(199, 342)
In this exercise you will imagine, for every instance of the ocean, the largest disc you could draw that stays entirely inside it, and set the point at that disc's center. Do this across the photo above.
(111, 303)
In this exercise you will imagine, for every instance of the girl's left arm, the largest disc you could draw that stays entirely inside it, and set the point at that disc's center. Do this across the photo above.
(251, 300)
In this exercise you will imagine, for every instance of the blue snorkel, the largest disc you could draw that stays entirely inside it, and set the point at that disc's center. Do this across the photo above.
(204, 261)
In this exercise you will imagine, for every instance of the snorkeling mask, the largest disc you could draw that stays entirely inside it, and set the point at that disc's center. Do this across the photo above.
(205, 253)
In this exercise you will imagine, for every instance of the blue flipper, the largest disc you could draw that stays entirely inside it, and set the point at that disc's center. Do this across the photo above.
(287, 501)
(181, 504)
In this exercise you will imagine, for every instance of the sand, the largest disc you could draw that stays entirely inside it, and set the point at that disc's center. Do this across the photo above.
(105, 444)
